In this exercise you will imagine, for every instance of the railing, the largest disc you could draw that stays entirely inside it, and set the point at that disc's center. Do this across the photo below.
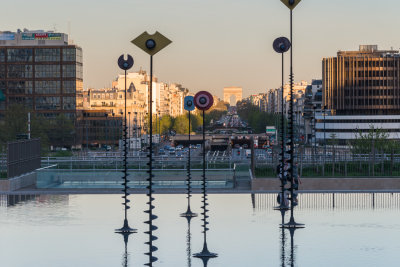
(344, 201)
(54, 177)
(334, 162)
(106, 172)
(134, 162)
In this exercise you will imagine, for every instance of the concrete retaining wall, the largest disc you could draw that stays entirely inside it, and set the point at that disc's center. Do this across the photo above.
(331, 184)
(18, 182)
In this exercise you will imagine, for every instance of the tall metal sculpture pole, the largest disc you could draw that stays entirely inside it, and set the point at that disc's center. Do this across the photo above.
(282, 45)
(125, 65)
(189, 106)
(151, 44)
(291, 4)
(203, 101)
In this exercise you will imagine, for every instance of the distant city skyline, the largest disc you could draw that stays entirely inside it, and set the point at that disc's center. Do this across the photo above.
(216, 44)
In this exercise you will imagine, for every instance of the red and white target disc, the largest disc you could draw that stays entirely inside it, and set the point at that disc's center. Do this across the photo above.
(203, 100)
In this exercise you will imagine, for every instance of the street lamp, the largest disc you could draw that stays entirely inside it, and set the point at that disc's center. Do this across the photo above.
(106, 129)
(156, 123)
(291, 4)
(325, 107)
(315, 134)
(129, 125)
(136, 126)
(151, 44)
(159, 126)
(113, 130)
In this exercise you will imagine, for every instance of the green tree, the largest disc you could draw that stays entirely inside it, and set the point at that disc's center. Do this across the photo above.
(61, 131)
(15, 122)
(165, 124)
(214, 115)
(181, 124)
(257, 120)
(376, 138)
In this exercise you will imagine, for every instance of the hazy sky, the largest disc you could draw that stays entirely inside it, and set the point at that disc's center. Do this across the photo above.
(215, 43)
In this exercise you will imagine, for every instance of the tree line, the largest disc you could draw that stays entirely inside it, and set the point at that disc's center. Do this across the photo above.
(180, 124)
(59, 131)
(256, 118)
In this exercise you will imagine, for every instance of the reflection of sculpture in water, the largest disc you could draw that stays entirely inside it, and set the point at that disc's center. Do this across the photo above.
(189, 243)
(283, 239)
(292, 259)
(125, 258)
(292, 251)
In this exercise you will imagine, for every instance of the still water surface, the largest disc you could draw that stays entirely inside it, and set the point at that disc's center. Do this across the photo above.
(78, 230)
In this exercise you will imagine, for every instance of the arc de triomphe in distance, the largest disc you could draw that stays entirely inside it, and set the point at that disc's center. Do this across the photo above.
(230, 92)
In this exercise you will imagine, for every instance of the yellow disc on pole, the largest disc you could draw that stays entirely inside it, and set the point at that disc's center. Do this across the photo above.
(291, 4)
(151, 44)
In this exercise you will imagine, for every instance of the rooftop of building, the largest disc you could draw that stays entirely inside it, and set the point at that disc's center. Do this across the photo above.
(27, 37)
(370, 51)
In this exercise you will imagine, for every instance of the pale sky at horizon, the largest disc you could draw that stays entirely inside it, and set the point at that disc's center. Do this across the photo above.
(215, 43)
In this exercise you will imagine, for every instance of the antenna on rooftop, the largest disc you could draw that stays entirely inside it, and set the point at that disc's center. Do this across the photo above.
(69, 33)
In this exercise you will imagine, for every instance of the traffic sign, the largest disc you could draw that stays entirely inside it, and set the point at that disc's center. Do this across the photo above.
(291, 4)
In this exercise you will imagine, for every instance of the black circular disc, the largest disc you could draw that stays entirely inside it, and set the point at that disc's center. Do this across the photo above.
(281, 45)
(125, 64)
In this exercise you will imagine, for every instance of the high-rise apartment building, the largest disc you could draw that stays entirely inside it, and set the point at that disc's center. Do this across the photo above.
(41, 71)
(364, 82)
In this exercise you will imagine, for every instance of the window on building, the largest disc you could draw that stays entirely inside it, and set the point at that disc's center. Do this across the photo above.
(19, 54)
(19, 71)
(69, 87)
(47, 54)
(69, 54)
(69, 71)
(2, 55)
(47, 71)
(21, 100)
(2, 71)
(20, 87)
(69, 103)
(47, 103)
(47, 87)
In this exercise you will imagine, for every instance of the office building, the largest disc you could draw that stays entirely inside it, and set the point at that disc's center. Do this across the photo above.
(364, 82)
(361, 90)
(41, 71)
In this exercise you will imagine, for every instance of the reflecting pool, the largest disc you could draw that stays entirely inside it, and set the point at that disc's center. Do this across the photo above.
(78, 230)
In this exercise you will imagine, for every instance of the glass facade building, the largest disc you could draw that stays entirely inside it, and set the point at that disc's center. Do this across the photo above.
(41, 71)
(364, 82)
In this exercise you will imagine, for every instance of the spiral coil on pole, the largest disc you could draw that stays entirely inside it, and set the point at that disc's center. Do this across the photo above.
(149, 187)
(188, 214)
(205, 254)
(125, 228)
